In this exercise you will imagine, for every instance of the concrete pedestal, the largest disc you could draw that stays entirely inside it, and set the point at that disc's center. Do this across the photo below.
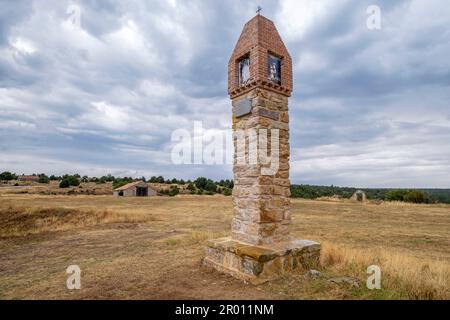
(258, 264)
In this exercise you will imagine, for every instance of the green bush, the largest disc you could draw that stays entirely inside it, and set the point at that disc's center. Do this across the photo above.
(174, 191)
(397, 195)
(201, 182)
(226, 183)
(227, 192)
(73, 181)
(64, 183)
(121, 182)
(160, 179)
(43, 178)
(416, 196)
(413, 196)
(7, 176)
(210, 186)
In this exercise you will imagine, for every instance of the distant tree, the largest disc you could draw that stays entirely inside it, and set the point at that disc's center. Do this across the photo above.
(43, 178)
(227, 192)
(182, 182)
(313, 192)
(160, 179)
(7, 176)
(54, 178)
(416, 196)
(174, 181)
(120, 182)
(397, 195)
(201, 182)
(64, 183)
(85, 179)
(174, 191)
(210, 186)
(191, 187)
(73, 180)
(108, 178)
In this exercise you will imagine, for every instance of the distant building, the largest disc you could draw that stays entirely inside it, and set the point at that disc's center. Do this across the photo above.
(135, 189)
(359, 196)
(25, 178)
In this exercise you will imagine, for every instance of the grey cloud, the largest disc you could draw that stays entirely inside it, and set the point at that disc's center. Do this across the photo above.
(370, 108)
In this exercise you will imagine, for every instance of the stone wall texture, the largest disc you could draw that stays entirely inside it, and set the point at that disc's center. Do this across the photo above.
(261, 202)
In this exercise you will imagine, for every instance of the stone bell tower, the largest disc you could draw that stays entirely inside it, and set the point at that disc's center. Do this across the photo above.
(259, 85)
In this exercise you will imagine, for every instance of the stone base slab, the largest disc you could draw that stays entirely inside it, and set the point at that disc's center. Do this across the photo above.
(258, 264)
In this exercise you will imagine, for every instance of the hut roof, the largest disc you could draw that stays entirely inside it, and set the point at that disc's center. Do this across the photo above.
(132, 185)
(28, 177)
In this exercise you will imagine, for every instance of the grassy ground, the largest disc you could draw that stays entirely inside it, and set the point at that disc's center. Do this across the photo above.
(151, 248)
(52, 188)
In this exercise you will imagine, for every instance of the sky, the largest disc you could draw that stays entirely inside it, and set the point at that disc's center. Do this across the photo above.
(98, 87)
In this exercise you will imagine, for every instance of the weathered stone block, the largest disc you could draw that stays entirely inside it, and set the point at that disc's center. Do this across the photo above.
(262, 112)
(284, 117)
(258, 264)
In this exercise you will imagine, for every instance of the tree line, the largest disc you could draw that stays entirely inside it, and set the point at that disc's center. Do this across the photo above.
(404, 195)
(206, 186)
(201, 185)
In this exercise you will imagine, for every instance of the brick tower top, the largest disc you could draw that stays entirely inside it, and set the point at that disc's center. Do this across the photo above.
(260, 59)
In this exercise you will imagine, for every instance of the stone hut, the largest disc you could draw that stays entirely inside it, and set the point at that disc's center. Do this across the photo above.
(359, 196)
(135, 189)
(25, 178)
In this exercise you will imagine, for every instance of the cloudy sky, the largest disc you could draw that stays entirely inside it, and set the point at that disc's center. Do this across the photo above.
(370, 108)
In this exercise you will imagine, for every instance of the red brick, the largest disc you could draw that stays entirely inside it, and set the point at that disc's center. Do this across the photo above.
(259, 38)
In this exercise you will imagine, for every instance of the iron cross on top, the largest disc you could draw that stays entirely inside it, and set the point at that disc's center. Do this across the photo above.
(258, 10)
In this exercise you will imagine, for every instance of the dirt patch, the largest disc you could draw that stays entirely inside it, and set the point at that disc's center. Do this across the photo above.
(152, 248)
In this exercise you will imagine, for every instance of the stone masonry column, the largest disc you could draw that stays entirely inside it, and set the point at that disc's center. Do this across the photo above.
(259, 85)
(261, 199)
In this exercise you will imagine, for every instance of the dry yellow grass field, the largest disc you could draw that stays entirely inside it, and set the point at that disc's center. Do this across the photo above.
(151, 248)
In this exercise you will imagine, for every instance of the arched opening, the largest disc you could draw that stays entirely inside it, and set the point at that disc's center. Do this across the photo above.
(359, 196)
